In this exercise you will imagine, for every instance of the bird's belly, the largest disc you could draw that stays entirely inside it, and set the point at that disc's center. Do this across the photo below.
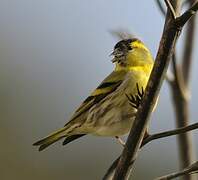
(116, 129)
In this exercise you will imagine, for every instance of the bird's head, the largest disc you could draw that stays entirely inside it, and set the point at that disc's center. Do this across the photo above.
(131, 53)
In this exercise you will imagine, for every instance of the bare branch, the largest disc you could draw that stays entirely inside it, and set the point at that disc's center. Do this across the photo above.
(170, 7)
(181, 21)
(150, 138)
(189, 170)
(178, 81)
(161, 8)
(136, 135)
(181, 94)
(137, 132)
(188, 48)
(170, 133)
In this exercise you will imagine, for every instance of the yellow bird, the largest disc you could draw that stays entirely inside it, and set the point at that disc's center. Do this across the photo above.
(107, 111)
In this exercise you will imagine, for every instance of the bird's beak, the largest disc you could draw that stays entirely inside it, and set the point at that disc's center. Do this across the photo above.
(117, 53)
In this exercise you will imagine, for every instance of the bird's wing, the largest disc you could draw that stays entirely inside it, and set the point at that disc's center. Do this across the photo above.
(108, 85)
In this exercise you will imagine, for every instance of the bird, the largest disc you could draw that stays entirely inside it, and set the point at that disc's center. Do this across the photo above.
(109, 111)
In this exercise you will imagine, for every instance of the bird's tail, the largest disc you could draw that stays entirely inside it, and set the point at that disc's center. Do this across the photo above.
(52, 138)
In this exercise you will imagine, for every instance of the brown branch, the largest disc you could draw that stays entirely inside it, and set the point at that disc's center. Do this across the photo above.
(170, 7)
(180, 21)
(161, 8)
(178, 80)
(170, 133)
(188, 48)
(150, 138)
(182, 119)
(179, 87)
(180, 91)
(167, 45)
(189, 170)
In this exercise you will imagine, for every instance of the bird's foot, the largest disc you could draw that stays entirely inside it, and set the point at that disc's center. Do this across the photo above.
(135, 100)
(120, 140)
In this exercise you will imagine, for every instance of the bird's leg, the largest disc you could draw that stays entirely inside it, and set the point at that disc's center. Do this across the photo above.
(146, 134)
(120, 140)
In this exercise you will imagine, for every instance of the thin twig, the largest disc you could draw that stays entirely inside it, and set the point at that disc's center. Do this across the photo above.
(178, 81)
(180, 21)
(182, 119)
(181, 95)
(170, 7)
(188, 48)
(150, 138)
(161, 8)
(189, 170)
(170, 133)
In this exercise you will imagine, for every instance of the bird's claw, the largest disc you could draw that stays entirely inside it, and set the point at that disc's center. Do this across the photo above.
(135, 100)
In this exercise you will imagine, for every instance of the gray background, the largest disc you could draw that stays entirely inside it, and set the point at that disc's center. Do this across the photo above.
(52, 54)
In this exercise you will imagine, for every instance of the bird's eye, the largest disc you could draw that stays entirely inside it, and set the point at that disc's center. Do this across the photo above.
(129, 41)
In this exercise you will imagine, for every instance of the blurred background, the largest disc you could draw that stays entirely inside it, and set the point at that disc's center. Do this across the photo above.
(52, 54)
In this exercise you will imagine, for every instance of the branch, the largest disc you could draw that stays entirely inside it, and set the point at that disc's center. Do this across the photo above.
(189, 170)
(170, 133)
(167, 45)
(188, 48)
(179, 86)
(180, 91)
(161, 8)
(180, 21)
(170, 7)
(150, 138)
(178, 81)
